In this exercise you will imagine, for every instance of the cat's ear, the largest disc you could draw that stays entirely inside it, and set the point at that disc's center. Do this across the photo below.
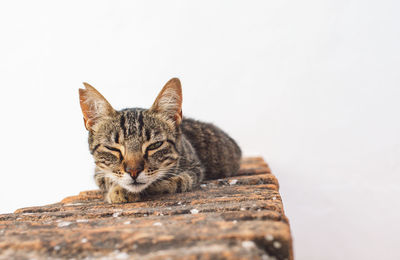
(169, 101)
(94, 106)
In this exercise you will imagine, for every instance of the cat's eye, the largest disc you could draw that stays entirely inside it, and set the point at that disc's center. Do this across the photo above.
(114, 150)
(155, 145)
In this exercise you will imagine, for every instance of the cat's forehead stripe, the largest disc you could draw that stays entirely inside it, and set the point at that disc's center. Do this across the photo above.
(122, 123)
(140, 121)
(129, 124)
(147, 132)
(132, 123)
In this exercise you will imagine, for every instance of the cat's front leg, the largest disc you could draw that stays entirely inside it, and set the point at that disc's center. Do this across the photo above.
(117, 194)
(182, 182)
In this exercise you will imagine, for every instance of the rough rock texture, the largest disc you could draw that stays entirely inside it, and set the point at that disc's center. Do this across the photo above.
(240, 217)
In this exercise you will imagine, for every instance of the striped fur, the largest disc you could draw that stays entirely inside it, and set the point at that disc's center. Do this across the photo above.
(151, 151)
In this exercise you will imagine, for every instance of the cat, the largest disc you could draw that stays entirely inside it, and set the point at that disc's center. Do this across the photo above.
(153, 151)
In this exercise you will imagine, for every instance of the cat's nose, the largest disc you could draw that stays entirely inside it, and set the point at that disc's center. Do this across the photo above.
(134, 171)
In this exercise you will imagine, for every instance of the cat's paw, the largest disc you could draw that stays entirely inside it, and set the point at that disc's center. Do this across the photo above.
(117, 194)
(176, 184)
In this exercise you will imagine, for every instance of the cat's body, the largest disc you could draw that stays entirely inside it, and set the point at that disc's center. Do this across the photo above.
(218, 153)
(139, 151)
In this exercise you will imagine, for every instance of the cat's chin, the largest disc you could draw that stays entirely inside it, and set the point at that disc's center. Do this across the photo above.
(128, 183)
(135, 187)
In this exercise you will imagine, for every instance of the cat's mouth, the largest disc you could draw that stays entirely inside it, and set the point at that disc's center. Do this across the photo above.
(136, 183)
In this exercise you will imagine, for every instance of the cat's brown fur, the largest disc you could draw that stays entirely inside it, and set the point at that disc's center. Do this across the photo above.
(149, 151)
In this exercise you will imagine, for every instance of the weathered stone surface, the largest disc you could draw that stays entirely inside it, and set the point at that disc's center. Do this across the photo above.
(240, 217)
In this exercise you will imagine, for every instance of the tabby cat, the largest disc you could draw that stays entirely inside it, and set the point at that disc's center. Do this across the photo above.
(151, 151)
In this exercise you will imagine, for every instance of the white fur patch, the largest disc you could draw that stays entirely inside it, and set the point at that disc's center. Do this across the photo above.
(126, 180)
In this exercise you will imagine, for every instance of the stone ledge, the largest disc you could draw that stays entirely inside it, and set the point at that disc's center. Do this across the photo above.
(240, 217)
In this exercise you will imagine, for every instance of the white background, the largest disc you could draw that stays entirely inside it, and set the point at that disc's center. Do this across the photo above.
(312, 86)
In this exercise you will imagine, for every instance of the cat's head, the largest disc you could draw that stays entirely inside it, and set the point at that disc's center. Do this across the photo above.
(134, 147)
